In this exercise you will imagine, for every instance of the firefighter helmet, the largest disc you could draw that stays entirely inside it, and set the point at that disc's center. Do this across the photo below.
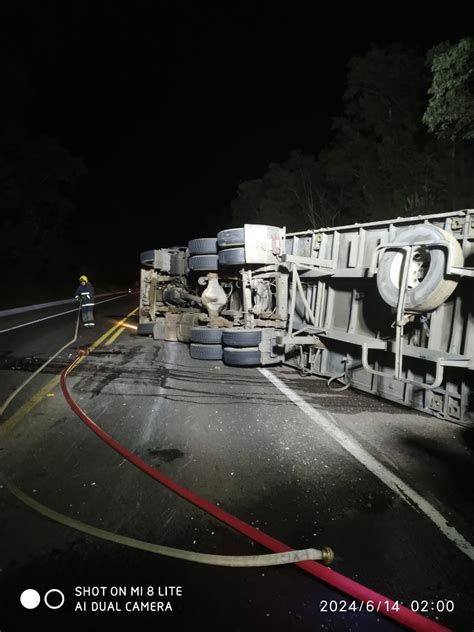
(83, 278)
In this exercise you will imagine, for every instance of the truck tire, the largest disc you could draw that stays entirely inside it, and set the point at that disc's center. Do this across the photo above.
(205, 352)
(230, 237)
(241, 337)
(206, 335)
(232, 257)
(204, 246)
(427, 287)
(145, 329)
(147, 258)
(203, 263)
(246, 356)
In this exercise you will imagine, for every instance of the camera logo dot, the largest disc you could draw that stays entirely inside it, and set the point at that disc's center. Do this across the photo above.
(30, 599)
(56, 601)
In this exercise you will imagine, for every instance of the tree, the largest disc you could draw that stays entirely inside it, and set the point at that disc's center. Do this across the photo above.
(380, 158)
(450, 111)
(382, 162)
(36, 175)
(310, 195)
(291, 194)
(245, 207)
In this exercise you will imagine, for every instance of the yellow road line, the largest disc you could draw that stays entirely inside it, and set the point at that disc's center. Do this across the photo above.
(29, 405)
(111, 330)
(42, 393)
(114, 336)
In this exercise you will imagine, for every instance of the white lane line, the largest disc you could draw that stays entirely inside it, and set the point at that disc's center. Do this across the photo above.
(69, 311)
(324, 395)
(409, 495)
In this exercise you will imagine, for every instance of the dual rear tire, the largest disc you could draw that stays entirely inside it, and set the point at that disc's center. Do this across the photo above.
(237, 347)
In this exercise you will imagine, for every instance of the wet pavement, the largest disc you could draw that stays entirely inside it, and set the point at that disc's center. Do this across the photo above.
(230, 436)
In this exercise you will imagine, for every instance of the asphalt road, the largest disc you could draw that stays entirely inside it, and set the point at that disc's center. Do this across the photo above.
(233, 437)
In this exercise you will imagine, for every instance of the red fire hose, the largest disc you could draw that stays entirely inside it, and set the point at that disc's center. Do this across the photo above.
(379, 603)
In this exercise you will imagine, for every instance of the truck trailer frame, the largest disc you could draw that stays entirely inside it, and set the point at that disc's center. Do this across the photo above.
(385, 307)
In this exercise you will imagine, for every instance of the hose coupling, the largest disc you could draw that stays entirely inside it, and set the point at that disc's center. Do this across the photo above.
(327, 555)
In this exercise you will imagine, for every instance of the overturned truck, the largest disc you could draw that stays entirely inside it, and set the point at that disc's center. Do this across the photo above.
(385, 307)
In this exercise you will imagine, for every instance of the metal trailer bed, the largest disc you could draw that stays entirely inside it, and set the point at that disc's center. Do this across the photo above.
(354, 289)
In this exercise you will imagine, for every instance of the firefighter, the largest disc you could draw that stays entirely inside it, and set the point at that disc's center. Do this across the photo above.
(85, 295)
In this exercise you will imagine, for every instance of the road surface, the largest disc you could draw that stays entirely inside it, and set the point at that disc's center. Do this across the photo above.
(389, 489)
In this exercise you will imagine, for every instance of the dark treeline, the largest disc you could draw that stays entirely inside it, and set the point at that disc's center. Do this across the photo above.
(37, 176)
(402, 146)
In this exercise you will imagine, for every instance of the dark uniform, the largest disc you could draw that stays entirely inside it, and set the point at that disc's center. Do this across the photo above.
(85, 294)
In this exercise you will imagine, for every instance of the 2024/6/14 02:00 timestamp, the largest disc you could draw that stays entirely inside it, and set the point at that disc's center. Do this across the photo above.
(416, 605)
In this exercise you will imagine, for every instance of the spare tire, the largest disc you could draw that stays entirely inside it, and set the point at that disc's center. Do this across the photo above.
(241, 337)
(203, 246)
(427, 287)
(247, 356)
(231, 237)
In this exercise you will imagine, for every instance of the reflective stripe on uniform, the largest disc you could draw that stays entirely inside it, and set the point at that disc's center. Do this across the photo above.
(87, 305)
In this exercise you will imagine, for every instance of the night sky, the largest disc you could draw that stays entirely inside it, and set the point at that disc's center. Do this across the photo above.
(172, 104)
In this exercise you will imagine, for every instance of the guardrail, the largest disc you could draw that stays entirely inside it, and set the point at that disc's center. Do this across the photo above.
(31, 308)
